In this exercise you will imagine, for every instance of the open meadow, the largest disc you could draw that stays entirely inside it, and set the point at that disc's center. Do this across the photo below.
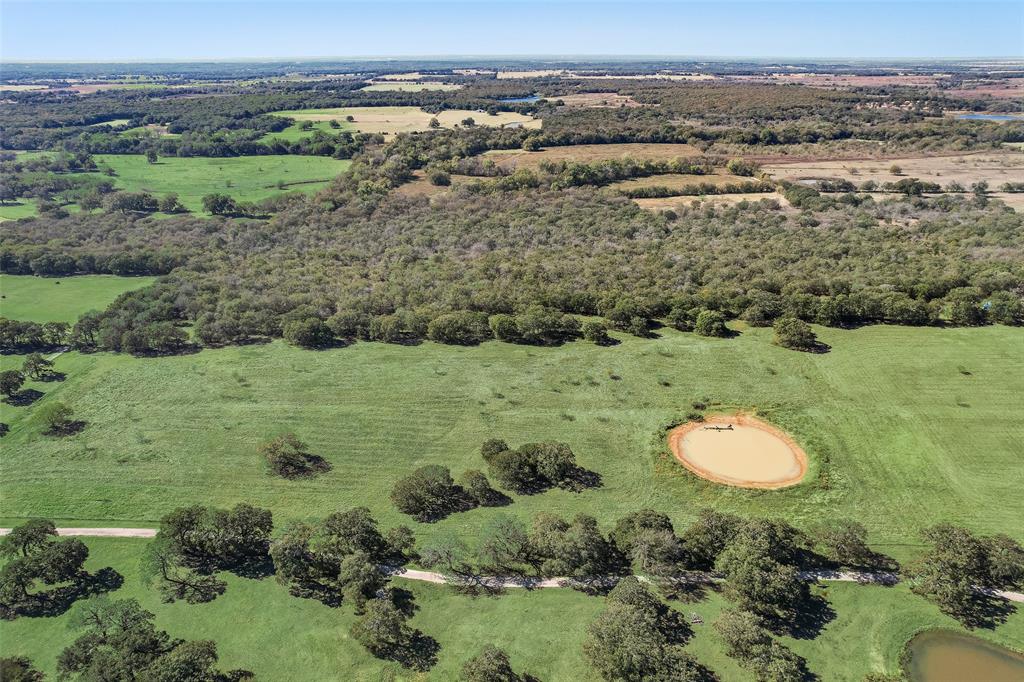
(245, 178)
(592, 153)
(401, 119)
(61, 299)
(903, 427)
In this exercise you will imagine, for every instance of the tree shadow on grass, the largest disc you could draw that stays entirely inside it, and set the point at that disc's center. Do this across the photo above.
(67, 429)
(987, 611)
(53, 376)
(57, 601)
(24, 397)
(809, 619)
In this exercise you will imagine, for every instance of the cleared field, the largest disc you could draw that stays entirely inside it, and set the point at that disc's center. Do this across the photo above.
(295, 132)
(898, 436)
(590, 153)
(680, 181)
(392, 120)
(598, 100)
(22, 208)
(6, 87)
(664, 203)
(61, 299)
(993, 167)
(246, 178)
(421, 187)
(410, 86)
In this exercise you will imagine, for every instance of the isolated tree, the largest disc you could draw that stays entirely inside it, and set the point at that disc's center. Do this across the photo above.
(490, 665)
(151, 156)
(56, 416)
(794, 333)
(36, 366)
(434, 123)
(287, 456)
(220, 204)
(169, 203)
(895, 170)
(710, 323)
(428, 493)
(11, 381)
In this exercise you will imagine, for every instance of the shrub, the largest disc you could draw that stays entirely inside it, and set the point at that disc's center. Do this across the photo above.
(791, 332)
(710, 323)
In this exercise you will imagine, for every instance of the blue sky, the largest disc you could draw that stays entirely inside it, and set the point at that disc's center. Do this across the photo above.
(235, 29)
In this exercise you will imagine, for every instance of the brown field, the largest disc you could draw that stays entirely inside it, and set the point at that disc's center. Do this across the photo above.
(739, 450)
(411, 76)
(539, 73)
(409, 86)
(392, 120)
(21, 88)
(675, 203)
(679, 180)
(826, 80)
(590, 153)
(1011, 88)
(993, 167)
(598, 100)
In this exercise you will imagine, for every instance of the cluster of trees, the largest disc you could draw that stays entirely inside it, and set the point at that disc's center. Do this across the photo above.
(430, 493)
(748, 640)
(194, 543)
(120, 641)
(636, 638)
(341, 558)
(50, 263)
(960, 569)
(534, 467)
(698, 190)
(17, 336)
(35, 557)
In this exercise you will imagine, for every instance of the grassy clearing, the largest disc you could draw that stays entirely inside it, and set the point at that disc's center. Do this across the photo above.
(22, 208)
(392, 120)
(294, 133)
(903, 427)
(679, 181)
(591, 153)
(665, 203)
(61, 299)
(246, 178)
(542, 630)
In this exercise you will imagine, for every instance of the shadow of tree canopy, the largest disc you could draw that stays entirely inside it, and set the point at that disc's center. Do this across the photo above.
(58, 600)
(24, 397)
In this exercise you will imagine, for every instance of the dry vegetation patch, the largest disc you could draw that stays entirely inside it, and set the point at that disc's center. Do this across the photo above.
(590, 153)
(995, 168)
(598, 100)
(392, 120)
(675, 203)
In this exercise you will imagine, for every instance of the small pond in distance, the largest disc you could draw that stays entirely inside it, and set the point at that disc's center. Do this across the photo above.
(944, 656)
(513, 100)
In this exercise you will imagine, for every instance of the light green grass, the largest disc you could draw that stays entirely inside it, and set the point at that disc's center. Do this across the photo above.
(542, 631)
(898, 437)
(246, 178)
(61, 299)
(22, 208)
(293, 133)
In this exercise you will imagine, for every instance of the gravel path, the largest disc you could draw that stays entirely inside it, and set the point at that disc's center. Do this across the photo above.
(533, 583)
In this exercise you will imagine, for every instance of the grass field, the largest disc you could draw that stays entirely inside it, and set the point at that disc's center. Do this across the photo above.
(293, 133)
(542, 630)
(663, 203)
(21, 208)
(61, 299)
(903, 427)
(591, 153)
(391, 120)
(246, 178)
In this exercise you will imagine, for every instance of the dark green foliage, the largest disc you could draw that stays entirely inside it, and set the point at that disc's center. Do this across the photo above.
(429, 494)
(19, 669)
(490, 665)
(121, 642)
(845, 542)
(957, 568)
(794, 333)
(336, 558)
(575, 549)
(36, 367)
(534, 467)
(596, 332)
(383, 630)
(636, 639)
(750, 642)
(11, 381)
(710, 323)
(462, 328)
(288, 457)
(308, 333)
(57, 418)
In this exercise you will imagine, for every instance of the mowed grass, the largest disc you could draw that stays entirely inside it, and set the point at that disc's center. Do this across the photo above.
(542, 631)
(903, 427)
(22, 208)
(295, 132)
(392, 120)
(246, 178)
(61, 299)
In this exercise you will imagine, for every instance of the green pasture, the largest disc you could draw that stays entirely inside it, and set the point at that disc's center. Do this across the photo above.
(294, 133)
(22, 208)
(246, 178)
(904, 427)
(61, 299)
(542, 630)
